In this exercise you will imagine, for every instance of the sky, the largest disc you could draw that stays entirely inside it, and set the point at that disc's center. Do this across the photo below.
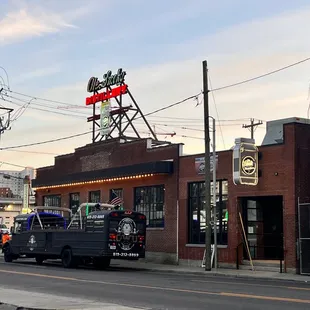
(49, 49)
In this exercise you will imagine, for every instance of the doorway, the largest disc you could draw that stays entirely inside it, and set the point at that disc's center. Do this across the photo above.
(263, 224)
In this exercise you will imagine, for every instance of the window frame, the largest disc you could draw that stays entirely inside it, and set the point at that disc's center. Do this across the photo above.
(195, 201)
(58, 196)
(72, 200)
(150, 207)
(90, 193)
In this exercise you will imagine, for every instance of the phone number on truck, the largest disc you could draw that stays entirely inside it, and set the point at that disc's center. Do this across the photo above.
(125, 254)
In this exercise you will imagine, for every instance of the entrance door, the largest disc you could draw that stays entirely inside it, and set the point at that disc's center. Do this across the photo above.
(263, 222)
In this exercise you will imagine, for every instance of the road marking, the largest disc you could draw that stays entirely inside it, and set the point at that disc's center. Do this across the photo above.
(298, 288)
(304, 301)
(227, 294)
(253, 284)
(37, 275)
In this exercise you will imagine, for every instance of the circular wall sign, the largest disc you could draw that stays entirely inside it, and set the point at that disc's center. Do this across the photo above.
(248, 165)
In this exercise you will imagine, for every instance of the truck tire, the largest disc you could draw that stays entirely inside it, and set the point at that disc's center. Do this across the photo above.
(39, 260)
(8, 258)
(67, 258)
(102, 262)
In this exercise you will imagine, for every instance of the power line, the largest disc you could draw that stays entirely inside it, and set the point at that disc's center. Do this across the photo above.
(43, 99)
(40, 109)
(217, 113)
(33, 152)
(44, 142)
(172, 105)
(260, 76)
(14, 165)
(177, 103)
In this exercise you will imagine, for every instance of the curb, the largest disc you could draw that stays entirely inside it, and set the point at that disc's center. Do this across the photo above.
(216, 274)
(13, 307)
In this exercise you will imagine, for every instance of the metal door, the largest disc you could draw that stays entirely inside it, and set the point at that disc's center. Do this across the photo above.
(304, 237)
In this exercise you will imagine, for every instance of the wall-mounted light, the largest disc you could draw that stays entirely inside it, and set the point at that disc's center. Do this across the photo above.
(276, 174)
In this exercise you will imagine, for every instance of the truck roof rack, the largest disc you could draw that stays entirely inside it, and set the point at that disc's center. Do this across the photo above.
(36, 210)
(52, 208)
(78, 213)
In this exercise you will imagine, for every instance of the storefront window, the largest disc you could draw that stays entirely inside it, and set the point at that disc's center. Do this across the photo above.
(94, 196)
(150, 201)
(197, 218)
(52, 201)
(74, 202)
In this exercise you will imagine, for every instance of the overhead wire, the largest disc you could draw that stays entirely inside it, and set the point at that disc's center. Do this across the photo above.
(260, 76)
(217, 113)
(14, 165)
(40, 109)
(153, 112)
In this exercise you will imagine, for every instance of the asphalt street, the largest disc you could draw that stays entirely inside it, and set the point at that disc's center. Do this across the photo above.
(151, 290)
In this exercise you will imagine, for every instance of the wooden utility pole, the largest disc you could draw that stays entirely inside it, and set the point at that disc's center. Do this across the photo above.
(252, 126)
(208, 250)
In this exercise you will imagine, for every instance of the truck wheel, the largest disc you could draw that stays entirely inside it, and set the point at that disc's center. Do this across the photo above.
(67, 258)
(39, 260)
(102, 262)
(8, 258)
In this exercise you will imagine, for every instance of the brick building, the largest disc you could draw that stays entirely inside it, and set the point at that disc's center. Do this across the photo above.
(169, 188)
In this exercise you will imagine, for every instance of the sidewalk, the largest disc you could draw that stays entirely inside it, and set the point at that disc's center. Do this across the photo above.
(13, 299)
(232, 273)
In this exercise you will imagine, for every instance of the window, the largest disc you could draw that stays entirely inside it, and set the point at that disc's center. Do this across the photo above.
(196, 207)
(150, 201)
(94, 196)
(52, 201)
(74, 202)
(17, 227)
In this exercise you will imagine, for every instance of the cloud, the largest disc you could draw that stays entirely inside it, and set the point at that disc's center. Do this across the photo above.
(39, 73)
(32, 21)
(21, 25)
(233, 54)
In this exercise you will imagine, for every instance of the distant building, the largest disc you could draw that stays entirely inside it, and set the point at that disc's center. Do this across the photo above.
(5, 192)
(11, 207)
(16, 181)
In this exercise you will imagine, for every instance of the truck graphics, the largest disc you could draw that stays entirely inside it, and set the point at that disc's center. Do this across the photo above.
(94, 239)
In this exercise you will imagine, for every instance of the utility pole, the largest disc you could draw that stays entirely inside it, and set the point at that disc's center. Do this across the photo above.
(214, 196)
(252, 126)
(208, 251)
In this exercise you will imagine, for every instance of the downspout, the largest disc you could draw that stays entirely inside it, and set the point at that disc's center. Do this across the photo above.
(177, 230)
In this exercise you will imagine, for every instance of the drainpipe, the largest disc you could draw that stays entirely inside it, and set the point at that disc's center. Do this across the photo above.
(178, 210)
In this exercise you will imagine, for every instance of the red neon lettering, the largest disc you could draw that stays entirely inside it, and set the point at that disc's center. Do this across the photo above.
(117, 91)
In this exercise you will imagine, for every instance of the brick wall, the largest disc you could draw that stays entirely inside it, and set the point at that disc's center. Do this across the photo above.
(278, 159)
(111, 154)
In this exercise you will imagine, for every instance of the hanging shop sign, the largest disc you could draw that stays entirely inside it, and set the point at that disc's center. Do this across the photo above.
(200, 164)
(245, 162)
(105, 121)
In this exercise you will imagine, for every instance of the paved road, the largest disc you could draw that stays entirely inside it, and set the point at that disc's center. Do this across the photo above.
(151, 290)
